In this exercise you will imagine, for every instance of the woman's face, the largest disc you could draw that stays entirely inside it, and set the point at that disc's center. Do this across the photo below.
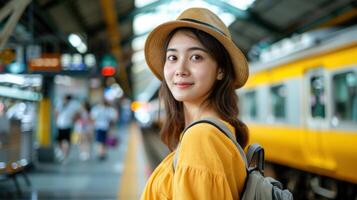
(189, 70)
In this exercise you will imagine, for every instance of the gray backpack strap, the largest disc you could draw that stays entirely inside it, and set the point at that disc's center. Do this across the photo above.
(223, 128)
(255, 151)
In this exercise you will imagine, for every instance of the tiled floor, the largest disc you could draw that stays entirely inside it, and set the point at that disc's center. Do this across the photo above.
(75, 179)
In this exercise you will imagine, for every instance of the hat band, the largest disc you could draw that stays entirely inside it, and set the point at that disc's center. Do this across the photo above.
(204, 23)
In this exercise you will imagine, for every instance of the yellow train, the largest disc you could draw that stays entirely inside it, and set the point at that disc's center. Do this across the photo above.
(302, 108)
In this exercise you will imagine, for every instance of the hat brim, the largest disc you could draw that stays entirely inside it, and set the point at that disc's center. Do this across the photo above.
(155, 52)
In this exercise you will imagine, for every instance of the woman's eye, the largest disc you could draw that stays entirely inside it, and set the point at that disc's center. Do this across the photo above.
(171, 58)
(196, 57)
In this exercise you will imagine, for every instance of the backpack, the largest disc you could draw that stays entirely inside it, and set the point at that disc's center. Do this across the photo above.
(257, 187)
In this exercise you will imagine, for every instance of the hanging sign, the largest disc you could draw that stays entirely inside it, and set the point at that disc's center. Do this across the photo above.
(48, 62)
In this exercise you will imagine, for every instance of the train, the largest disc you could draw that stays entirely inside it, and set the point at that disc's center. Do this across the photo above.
(300, 104)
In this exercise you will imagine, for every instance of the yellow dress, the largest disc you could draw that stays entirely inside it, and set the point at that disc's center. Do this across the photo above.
(209, 166)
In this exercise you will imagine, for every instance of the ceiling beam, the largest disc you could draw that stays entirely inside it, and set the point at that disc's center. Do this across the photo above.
(13, 10)
(129, 15)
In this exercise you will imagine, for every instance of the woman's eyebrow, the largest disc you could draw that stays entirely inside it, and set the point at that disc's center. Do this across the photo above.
(197, 48)
(189, 49)
(171, 49)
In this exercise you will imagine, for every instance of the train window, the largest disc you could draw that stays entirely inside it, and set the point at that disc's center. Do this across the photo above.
(250, 104)
(345, 96)
(278, 101)
(317, 100)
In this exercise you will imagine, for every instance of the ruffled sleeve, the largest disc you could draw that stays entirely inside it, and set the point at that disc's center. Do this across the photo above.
(206, 166)
(192, 183)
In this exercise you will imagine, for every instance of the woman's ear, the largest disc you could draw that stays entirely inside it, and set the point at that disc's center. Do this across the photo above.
(220, 75)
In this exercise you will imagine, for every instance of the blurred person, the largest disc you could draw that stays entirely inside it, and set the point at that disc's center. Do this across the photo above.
(66, 114)
(84, 128)
(16, 110)
(200, 68)
(104, 117)
(125, 113)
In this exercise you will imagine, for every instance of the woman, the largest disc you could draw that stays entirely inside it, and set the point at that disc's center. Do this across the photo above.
(200, 68)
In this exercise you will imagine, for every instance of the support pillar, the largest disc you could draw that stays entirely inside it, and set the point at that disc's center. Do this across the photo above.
(44, 126)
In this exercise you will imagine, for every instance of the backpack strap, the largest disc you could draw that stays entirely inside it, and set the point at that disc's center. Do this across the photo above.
(223, 128)
(256, 152)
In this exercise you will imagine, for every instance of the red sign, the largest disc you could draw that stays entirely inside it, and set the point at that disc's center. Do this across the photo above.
(108, 71)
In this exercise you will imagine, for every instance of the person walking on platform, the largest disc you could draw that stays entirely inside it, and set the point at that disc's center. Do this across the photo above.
(66, 113)
(200, 68)
(104, 117)
(84, 128)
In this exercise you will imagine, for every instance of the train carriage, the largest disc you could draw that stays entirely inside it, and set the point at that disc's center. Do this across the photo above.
(303, 109)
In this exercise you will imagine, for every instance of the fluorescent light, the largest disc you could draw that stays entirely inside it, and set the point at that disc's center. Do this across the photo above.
(82, 48)
(89, 60)
(75, 40)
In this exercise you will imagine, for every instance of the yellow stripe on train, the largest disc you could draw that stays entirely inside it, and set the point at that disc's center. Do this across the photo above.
(327, 152)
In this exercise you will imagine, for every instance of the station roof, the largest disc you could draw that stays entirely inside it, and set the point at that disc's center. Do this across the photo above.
(263, 22)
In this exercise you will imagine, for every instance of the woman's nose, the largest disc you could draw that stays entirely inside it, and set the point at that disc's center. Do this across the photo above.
(180, 73)
(181, 69)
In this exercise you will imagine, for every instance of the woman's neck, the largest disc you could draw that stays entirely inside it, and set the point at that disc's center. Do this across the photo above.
(196, 112)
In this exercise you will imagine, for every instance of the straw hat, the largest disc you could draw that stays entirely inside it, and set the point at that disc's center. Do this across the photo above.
(204, 20)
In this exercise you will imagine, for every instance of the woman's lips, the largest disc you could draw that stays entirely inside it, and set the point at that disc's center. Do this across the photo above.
(183, 85)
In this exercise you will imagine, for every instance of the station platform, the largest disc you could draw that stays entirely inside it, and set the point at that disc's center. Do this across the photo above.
(122, 175)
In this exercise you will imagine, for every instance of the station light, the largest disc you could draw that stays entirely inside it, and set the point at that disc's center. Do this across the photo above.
(108, 65)
(82, 48)
(108, 71)
(139, 105)
(77, 42)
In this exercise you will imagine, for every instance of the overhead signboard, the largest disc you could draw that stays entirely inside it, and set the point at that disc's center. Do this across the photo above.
(49, 62)
(77, 62)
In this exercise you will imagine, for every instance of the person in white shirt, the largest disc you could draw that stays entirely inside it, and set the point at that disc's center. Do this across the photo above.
(104, 116)
(65, 113)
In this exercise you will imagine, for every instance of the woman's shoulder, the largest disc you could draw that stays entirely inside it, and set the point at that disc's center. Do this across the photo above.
(205, 146)
(206, 132)
(205, 137)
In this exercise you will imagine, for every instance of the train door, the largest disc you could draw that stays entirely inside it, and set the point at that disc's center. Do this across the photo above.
(316, 107)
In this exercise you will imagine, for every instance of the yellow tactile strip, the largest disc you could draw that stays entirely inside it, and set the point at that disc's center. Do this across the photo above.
(132, 179)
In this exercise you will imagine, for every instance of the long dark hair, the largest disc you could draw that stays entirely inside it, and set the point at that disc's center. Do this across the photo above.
(222, 98)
